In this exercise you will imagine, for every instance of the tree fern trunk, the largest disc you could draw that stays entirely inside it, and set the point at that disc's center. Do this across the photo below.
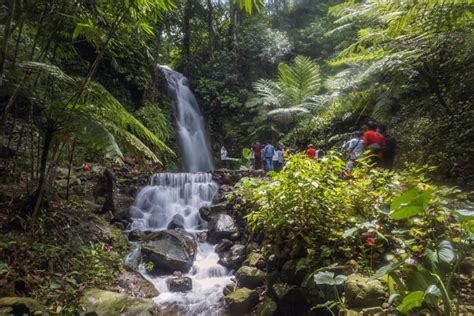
(48, 137)
(6, 35)
(71, 157)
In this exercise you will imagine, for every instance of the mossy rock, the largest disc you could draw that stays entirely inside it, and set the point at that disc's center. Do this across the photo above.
(242, 301)
(20, 306)
(362, 292)
(250, 277)
(267, 307)
(105, 303)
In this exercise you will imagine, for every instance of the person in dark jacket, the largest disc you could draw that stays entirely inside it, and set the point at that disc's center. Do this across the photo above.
(390, 147)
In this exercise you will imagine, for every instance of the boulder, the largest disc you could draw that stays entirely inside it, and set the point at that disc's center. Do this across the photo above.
(234, 257)
(168, 250)
(20, 306)
(207, 212)
(100, 302)
(359, 291)
(134, 284)
(242, 301)
(250, 277)
(221, 226)
(256, 259)
(176, 222)
(180, 284)
(267, 307)
(224, 245)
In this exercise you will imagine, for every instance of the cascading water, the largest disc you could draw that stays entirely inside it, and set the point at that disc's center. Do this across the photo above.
(172, 195)
(190, 127)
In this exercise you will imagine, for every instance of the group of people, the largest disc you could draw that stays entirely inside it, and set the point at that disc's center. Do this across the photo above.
(269, 158)
(374, 139)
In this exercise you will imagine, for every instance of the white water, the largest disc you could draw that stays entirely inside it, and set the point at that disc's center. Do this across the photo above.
(190, 126)
(154, 207)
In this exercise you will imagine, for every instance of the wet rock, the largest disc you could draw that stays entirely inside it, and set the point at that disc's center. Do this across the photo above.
(360, 292)
(241, 301)
(224, 245)
(467, 266)
(176, 222)
(221, 226)
(235, 236)
(267, 307)
(134, 284)
(102, 302)
(250, 277)
(207, 212)
(233, 258)
(20, 306)
(180, 284)
(168, 250)
(229, 288)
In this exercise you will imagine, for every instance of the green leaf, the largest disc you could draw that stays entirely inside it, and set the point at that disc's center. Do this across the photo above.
(349, 232)
(465, 214)
(340, 279)
(446, 253)
(385, 270)
(54, 285)
(325, 278)
(411, 301)
(410, 203)
(433, 290)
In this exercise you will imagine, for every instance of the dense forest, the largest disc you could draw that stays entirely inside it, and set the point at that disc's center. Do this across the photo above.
(88, 117)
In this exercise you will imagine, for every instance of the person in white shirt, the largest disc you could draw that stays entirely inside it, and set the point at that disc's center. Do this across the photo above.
(355, 146)
(224, 156)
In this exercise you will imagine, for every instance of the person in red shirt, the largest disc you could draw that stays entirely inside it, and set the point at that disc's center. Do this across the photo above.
(374, 141)
(311, 151)
(257, 149)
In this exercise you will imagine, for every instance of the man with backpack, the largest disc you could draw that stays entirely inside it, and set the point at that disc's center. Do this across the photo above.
(268, 152)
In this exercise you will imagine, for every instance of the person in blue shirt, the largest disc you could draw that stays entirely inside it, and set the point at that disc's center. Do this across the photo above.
(268, 152)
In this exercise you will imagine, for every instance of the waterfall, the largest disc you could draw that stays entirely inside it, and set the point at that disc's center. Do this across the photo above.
(190, 126)
(172, 197)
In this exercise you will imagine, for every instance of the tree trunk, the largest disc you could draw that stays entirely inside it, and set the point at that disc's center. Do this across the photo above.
(69, 168)
(210, 30)
(6, 35)
(48, 137)
(186, 46)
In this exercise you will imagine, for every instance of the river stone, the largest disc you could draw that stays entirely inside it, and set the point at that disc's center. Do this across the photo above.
(176, 222)
(360, 292)
(221, 226)
(234, 257)
(241, 301)
(250, 277)
(180, 284)
(207, 212)
(267, 307)
(170, 250)
(224, 245)
(134, 284)
(104, 303)
(20, 306)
